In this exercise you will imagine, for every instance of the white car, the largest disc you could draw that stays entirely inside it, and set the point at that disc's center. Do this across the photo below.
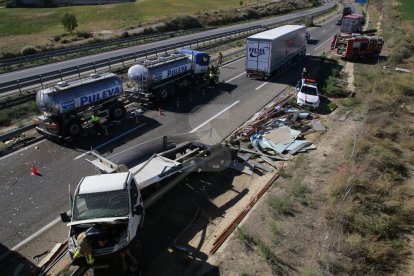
(307, 93)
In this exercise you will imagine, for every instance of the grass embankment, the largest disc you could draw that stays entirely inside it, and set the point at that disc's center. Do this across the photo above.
(407, 10)
(41, 27)
(371, 198)
(16, 114)
(39, 24)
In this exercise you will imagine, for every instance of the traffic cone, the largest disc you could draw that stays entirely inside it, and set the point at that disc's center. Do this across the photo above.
(160, 111)
(35, 171)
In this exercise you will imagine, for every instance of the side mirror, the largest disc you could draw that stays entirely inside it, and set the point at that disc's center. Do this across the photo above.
(64, 217)
(138, 210)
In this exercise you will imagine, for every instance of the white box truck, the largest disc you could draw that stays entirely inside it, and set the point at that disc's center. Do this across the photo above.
(271, 51)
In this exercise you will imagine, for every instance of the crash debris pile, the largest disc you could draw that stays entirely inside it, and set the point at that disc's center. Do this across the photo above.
(273, 133)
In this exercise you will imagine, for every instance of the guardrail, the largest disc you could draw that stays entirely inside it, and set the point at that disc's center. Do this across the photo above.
(27, 84)
(129, 41)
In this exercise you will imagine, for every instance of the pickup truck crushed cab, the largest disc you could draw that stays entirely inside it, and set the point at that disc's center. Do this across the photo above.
(108, 209)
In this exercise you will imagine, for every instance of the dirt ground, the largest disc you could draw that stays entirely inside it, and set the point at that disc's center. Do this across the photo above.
(303, 240)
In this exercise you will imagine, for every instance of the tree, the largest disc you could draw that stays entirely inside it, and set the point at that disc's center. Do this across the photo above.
(69, 22)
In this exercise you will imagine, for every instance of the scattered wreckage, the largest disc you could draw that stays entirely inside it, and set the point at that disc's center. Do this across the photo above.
(277, 130)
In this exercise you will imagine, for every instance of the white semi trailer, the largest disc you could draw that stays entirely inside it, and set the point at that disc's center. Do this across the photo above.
(271, 51)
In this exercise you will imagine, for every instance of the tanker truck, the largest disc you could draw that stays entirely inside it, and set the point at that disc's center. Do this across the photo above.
(67, 106)
(158, 78)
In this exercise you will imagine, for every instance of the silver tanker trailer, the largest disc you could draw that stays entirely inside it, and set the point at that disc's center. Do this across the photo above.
(67, 106)
(161, 77)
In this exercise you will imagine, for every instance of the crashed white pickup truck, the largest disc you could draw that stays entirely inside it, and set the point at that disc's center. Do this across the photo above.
(108, 209)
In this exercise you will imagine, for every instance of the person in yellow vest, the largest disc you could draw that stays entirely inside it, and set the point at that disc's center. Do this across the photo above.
(96, 121)
(220, 59)
(83, 249)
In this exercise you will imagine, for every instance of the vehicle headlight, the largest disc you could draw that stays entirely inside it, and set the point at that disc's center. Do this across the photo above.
(123, 241)
(301, 100)
(71, 245)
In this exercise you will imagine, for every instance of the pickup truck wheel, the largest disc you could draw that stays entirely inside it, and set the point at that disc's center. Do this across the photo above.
(117, 112)
(73, 128)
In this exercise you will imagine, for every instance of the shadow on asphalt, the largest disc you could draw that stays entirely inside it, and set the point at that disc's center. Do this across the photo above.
(167, 218)
(313, 41)
(115, 129)
(186, 102)
(15, 264)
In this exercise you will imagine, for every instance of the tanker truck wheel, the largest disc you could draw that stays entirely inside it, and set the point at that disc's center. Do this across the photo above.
(73, 128)
(117, 112)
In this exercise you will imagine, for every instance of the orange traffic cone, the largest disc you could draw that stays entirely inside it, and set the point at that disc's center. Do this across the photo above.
(35, 171)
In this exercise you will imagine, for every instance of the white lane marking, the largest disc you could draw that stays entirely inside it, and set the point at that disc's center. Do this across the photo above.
(110, 141)
(260, 86)
(322, 44)
(215, 116)
(34, 235)
(235, 77)
(224, 66)
(324, 31)
(20, 150)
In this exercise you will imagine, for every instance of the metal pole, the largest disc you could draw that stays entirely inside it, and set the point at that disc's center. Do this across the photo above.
(366, 11)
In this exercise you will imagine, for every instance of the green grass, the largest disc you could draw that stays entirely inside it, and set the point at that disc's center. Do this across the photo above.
(21, 21)
(407, 9)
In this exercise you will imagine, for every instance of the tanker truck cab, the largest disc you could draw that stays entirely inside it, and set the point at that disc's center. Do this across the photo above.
(109, 209)
(200, 60)
(67, 106)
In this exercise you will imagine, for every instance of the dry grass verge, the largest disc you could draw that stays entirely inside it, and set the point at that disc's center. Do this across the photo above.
(371, 197)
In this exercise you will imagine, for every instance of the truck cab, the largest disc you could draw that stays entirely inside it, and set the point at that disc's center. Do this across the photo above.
(109, 209)
(200, 60)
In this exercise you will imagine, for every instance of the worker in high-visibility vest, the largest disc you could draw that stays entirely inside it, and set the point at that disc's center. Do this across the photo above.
(220, 59)
(96, 121)
(83, 249)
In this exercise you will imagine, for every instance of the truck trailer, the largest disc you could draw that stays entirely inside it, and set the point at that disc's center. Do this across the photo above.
(67, 106)
(161, 77)
(271, 51)
(352, 23)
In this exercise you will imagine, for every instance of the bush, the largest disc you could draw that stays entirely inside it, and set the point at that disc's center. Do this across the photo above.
(331, 88)
(69, 22)
(83, 34)
(183, 22)
(6, 55)
(11, 3)
(28, 50)
(148, 30)
(281, 206)
(65, 41)
(124, 35)
(56, 38)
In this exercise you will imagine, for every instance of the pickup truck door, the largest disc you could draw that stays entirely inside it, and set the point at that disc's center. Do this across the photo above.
(135, 221)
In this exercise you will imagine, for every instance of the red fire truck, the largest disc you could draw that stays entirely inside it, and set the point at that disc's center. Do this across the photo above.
(353, 47)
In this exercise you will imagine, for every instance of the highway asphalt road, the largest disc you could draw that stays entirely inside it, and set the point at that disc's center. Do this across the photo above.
(28, 203)
(6, 77)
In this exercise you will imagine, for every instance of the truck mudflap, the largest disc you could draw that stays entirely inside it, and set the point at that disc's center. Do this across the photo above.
(48, 134)
(257, 74)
